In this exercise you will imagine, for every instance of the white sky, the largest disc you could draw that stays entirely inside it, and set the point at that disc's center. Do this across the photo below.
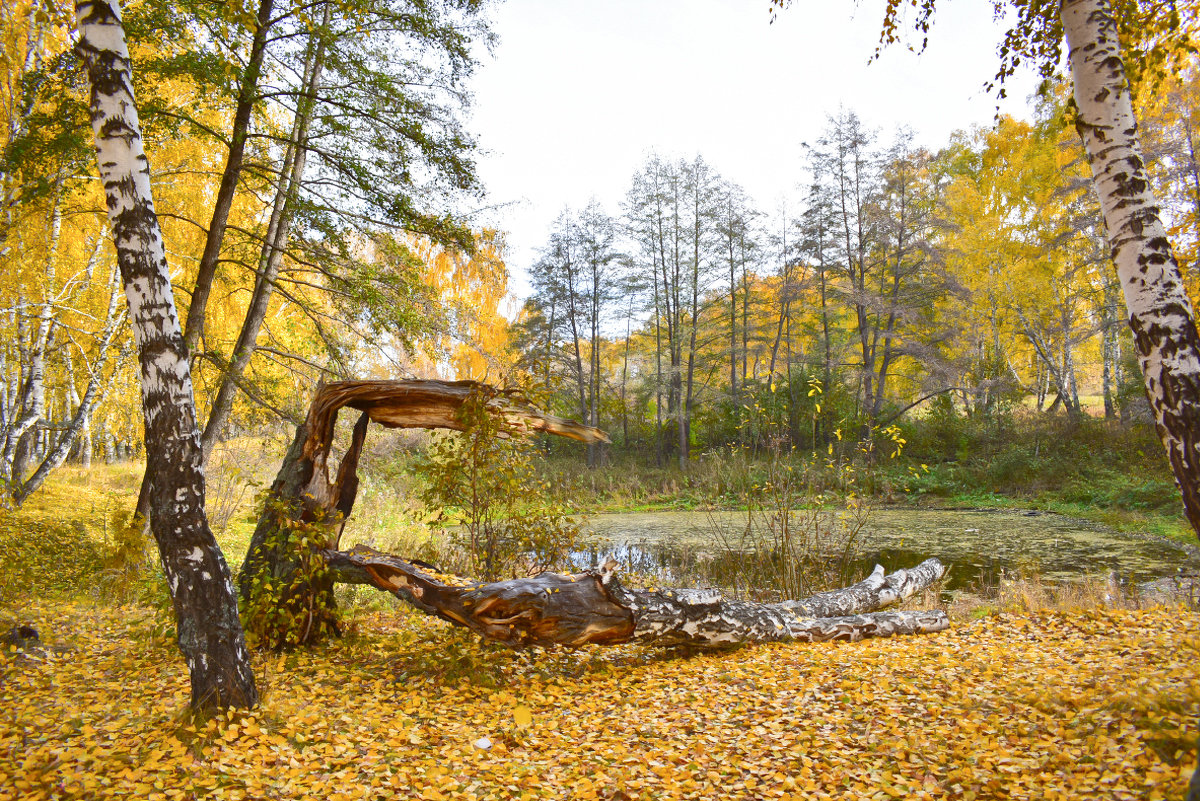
(578, 92)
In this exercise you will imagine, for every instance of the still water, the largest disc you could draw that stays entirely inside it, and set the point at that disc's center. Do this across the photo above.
(978, 545)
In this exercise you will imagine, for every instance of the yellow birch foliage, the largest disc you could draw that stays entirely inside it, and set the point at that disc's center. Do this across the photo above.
(473, 289)
(1012, 247)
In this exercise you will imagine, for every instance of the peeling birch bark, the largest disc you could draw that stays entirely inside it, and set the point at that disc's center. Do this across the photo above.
(593, 607)
(209, 631)
(1160, 313)
(876, 591)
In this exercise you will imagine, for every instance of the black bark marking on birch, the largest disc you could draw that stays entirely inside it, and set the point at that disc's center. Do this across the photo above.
(1160, 312)
(208, 630)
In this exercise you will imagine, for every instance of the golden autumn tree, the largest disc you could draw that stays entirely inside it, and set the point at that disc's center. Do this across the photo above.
(473, 289)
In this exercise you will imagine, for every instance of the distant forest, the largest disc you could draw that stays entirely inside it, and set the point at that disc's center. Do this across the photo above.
(975, 279)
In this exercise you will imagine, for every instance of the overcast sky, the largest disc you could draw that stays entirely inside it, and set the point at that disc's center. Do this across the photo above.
(578, 92)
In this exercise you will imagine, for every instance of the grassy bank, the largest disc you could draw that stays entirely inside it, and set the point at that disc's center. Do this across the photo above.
(1096, 471)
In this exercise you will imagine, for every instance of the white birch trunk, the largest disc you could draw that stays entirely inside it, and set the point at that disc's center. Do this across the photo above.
(78, 427)
(1160, 313)
(32, 392)
(209, 632)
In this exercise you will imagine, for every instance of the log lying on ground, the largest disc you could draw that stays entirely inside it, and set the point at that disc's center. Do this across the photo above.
(594, 607)
(876, 591)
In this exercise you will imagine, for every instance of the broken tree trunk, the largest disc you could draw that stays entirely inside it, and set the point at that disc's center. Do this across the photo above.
(286, 593)
(594, 607)
(287, 580)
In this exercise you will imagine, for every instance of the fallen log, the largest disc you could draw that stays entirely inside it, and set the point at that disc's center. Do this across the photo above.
(286, 583)
(595, 607)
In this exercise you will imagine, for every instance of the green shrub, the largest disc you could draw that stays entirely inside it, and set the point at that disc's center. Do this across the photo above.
(484, 477)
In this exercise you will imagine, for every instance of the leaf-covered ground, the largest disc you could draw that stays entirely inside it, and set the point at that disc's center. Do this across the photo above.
(1099, 704)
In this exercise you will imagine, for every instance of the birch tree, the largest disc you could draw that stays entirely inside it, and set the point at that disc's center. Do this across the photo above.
(1160, 312)
(208, 630)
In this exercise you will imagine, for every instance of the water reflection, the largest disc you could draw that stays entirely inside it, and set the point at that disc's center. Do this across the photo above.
(979, 545)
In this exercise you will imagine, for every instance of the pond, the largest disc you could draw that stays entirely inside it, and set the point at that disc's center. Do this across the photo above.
(978, 545)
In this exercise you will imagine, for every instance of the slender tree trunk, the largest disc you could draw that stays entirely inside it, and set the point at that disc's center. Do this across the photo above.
(675, 326)
(745, 320)
(889, 330)
(733, 314)
(247, 96)
(20, 437)
(593, 418)
(573, 315)
(84, 407)
(1071, 399)
(208, 630)
(1109, 348)
(785, 299)
(792, 389)
(826, 341)
(685, 436)
(659, 454)
(625, 374)
(550, 341)
(274, 244)
(108, 442)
